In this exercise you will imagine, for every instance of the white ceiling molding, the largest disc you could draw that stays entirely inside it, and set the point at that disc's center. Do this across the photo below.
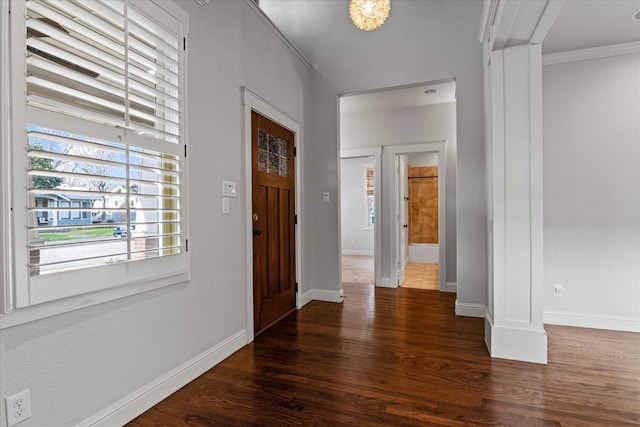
(360, 152)
(591, 53)
(507, 23)
(486, 20)
(276, 31)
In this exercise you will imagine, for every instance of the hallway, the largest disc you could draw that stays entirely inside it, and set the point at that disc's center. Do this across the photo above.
(360, 269)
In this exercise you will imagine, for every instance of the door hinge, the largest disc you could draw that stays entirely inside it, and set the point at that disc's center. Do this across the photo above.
(185, 150)
(186, 245)
(295, 151)
(184, 43)
(296, 286)
(295, 219)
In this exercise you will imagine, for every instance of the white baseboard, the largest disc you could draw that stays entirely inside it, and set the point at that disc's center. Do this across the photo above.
(321, 295)
(356, 252)
(425, 252)
(386, 282)
(467, 309)
(515, 343)
(305, 299)
(596, 321)
(328, 296)
(451, 287)
(144, 398)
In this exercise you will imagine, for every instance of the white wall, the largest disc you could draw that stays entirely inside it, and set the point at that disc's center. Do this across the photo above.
(413, 125)
(356, 239)
(424, 159)
(592, 191)
(77, 364)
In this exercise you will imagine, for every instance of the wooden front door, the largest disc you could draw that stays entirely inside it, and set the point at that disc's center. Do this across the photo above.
(273, 181)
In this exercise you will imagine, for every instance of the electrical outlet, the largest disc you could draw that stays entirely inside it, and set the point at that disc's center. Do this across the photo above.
(558, 290)
(18, 407)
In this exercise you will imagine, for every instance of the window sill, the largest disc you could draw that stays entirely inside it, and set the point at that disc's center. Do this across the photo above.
(54, 308)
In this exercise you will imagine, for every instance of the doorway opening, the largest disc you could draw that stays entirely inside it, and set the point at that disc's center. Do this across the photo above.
(404, 120)
(422, 219)
(419, 232)
(357, 219)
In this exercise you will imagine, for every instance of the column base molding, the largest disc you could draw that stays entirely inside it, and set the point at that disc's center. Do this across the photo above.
(510, 342)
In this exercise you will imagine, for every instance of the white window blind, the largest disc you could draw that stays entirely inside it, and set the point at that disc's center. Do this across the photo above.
(103, 129)
(104, 61)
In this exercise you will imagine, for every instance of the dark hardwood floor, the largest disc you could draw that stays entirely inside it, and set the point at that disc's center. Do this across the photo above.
(392, 357)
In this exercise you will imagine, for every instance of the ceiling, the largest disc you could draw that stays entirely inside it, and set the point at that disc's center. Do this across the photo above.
(583, 24)
(322, 31)
(397, 99)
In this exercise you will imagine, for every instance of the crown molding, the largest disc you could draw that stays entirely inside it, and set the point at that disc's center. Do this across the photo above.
(591, 53)
(489, 10)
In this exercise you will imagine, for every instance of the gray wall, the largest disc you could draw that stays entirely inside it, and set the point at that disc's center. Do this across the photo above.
(592, 187)
(79, 363)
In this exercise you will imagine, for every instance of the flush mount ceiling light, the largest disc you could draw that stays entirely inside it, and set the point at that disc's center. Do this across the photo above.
(636, 16)
(369, 14)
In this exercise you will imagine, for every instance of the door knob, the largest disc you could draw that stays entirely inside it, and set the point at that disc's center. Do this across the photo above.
(257, 233)
(404, 226)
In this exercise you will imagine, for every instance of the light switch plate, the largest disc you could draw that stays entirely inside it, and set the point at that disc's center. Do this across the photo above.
(326, 197)
(229, 189)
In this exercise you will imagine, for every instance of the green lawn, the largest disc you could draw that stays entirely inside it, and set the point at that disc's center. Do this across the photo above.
(77, 234)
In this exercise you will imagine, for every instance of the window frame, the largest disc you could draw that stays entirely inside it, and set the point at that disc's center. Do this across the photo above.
(368, 225)
(23, 299)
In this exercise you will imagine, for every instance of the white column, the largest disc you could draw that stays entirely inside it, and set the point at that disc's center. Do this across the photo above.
(514, 322)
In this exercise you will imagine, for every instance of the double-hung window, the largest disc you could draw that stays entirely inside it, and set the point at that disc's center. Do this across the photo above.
(94, 150)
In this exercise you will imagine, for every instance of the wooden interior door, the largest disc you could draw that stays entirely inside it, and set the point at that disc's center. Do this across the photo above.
(423, 204)
(273, 183)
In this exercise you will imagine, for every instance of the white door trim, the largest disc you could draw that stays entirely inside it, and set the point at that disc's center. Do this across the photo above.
(253, 102)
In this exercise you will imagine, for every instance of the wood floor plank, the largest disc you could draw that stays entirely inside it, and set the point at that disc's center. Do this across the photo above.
(395, 357)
